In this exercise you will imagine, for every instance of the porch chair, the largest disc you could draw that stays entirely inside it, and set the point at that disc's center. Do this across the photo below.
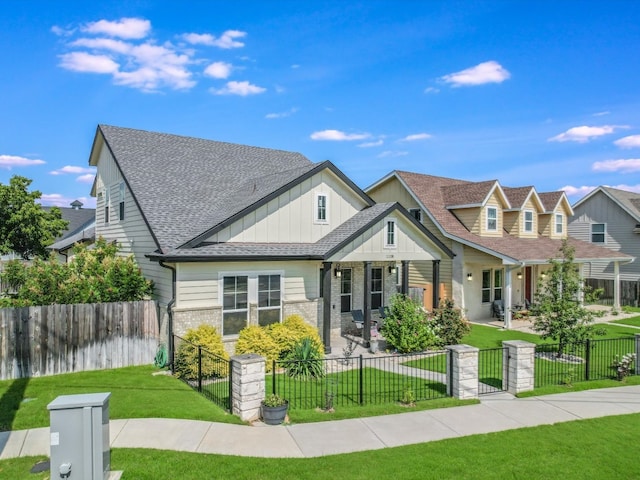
(358, 318)
(497, 309)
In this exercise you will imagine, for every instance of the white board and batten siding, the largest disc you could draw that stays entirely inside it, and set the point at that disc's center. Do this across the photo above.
(132, 233)
(291, 217)
(198, 284)
(619, 236)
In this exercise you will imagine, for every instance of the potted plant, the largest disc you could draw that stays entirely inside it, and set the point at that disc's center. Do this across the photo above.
(274, 409)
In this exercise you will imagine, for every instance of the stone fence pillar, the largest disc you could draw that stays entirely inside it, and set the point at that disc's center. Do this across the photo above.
(518, 365)
(462, 371)
(247, 386)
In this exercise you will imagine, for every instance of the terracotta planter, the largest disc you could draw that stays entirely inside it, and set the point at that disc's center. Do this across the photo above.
(274, 415)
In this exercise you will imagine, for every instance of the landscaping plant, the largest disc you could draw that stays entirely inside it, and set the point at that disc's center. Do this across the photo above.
(623, 366)
(210, 342)
(449, 323)
(407, 327)
(305, 361)
(559, 312)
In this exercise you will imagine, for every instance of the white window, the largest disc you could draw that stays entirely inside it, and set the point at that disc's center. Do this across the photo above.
(598, 232)
(390, 233)
(121, 203)
(269, 299)
(528, 221)
(492, 283)
(235, 304)
(416, 213)
(559, 223)
(321, 208)
(107, 204)
(492, 219)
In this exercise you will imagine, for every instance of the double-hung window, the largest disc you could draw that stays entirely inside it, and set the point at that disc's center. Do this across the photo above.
(492, 285)
(107, 204)
(121, 203)
(416, 213)
(321, 208)
(528, 221)
(598, 232)
(559, 222)
(492, 219)
(235, 304)
(390, 234)
(269, 299)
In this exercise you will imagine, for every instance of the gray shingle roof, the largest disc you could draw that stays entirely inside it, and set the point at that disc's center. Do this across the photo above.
(185, 185)
(629, 200)
(77, 218)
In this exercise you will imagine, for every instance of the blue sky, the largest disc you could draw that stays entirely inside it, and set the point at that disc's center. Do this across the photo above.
(530, 93)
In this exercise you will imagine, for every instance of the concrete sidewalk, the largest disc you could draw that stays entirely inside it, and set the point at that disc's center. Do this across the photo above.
(495, 413)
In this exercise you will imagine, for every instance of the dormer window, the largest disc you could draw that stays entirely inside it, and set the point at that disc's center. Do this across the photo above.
(528, 221)
(559, 223)
(492, 219)
(321, 208)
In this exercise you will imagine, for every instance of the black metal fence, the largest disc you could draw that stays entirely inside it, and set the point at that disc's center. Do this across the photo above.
(492, 371)
(359, 380)
(206, 372)
(578, 362)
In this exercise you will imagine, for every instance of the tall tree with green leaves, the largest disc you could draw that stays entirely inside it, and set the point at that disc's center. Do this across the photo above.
(25, 227)
(559, 308)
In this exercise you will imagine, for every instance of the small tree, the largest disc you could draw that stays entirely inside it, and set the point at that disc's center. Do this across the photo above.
(25, 227)
(558, 308)
(407, 326)
(449, 323)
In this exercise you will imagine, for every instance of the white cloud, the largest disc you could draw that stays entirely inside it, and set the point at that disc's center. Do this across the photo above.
(218, 70)
(625, 165)
(130, 28)
(62, 32)
(238, 88)
(416, 136)
(73, 170)
(431, 90)
(572, 191)
(88, 63)
(288, 113)
(392, 154)
(375, 143)
(10, 161)
(584, 133)
(117, 46)
(601, 114)
(226, 40)
(88, 178)
(338, 136)
(59, 200)
(632, 141)
(486, 72)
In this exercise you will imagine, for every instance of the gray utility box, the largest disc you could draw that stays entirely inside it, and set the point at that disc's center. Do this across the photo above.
(80, 436)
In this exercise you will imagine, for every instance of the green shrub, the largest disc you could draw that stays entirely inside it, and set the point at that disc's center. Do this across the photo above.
(186, 356)
(256, 339)
(449, 323)
(407, 327)
(306, 360)
(301, 329)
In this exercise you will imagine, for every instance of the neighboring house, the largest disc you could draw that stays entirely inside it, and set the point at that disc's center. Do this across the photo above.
(610, 218)
(502, 237)
(79, 231)
(234, 235)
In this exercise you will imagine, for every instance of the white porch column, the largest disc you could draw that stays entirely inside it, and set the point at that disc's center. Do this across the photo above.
(457, 280)
(507, 298)
(616, 286)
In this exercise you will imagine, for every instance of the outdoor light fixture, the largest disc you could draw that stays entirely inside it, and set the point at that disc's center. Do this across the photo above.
(337, 272)
(469, 276)
(392, 269)
(519, 275)
(543, 274)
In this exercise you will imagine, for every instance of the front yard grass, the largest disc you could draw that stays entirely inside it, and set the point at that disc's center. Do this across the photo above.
(599, 448)
(135, 393)
(633, 321)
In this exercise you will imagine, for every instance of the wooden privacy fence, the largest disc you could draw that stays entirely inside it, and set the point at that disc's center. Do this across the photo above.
(51, 339)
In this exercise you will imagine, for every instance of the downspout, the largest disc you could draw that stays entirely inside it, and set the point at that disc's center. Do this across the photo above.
(170, 343)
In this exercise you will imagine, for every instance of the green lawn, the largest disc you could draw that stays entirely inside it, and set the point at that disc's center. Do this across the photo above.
(634, 321)
(601, 448)
(135, 393)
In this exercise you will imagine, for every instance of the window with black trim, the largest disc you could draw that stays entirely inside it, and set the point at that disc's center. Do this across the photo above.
(121, 204)
(376, 288)
(390, 234)
(107, 204)
(345, 290)
(416, 213)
